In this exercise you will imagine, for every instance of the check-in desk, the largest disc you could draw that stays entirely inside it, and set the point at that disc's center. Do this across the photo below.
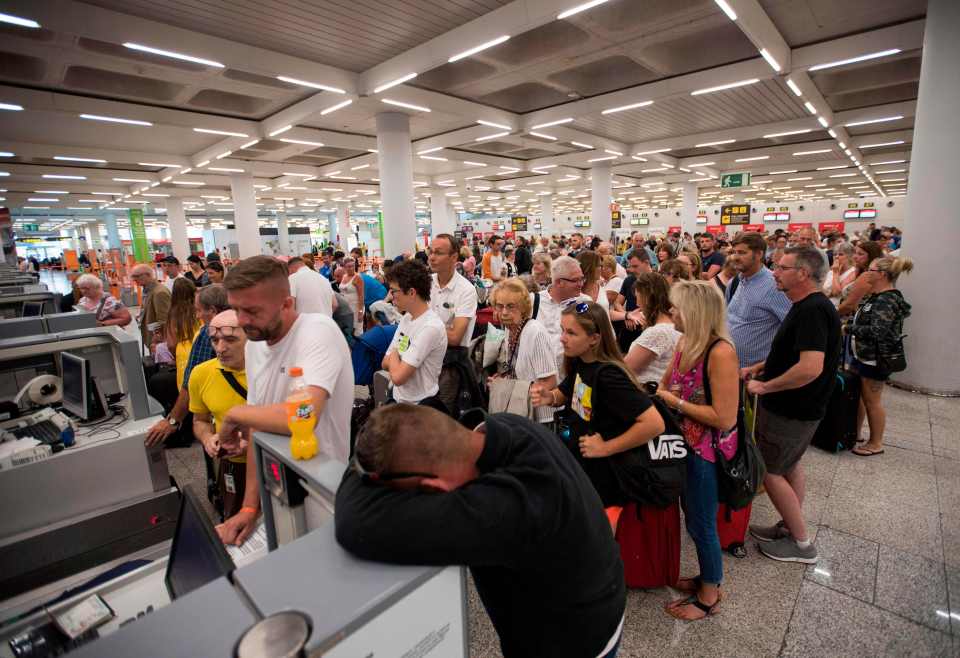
(46, 324)
(11, 303)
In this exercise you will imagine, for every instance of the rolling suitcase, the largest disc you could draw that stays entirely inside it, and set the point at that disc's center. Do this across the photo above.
(838, 429)
(732, 529)
(649, 539)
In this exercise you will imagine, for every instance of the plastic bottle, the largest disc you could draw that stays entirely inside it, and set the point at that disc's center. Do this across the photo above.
(301, 417)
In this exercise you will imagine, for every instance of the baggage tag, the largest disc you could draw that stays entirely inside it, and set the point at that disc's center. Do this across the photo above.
(229, 483)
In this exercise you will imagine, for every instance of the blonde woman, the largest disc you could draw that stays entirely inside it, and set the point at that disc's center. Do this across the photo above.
(611, 282)
(698, 312)
(109, 310)
(541, 270)
(590, 262)
(528, 352)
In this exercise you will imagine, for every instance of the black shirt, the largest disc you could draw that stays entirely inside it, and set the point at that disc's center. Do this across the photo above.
(625, 337)
(716, 258)
(200, 282)
(601, 399)
(531, 529)
(811, 325)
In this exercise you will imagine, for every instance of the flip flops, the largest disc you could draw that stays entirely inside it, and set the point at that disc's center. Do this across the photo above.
(866, 452)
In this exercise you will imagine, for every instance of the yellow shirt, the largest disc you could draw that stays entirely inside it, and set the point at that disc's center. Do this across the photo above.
(182, 354)
(210, 393)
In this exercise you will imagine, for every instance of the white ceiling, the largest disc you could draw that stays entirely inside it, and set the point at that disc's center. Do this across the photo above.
(619, 53)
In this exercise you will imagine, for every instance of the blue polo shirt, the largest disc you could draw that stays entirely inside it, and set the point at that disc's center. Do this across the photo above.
(754, 314)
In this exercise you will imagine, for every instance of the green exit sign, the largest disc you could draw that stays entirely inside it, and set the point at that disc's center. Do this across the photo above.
(740, 179)
(31, 228)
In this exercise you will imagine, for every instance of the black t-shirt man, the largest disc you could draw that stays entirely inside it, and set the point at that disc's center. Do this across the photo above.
(811, 325)
(530, 527)
(625, 337)
(716, 258)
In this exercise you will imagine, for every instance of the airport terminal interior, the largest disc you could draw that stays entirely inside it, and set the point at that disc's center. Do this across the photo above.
(161, 160)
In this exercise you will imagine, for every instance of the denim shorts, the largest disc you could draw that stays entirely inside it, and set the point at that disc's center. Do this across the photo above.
(868, 371)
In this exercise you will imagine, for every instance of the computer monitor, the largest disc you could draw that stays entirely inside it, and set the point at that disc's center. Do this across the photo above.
(81, 396)
(32, 309)
(197, 555)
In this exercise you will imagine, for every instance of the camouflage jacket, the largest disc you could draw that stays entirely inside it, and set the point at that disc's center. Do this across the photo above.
(878, 324)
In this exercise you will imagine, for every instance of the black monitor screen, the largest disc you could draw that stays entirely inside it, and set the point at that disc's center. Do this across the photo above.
(197, 556)
(32, 309)
(73, 371)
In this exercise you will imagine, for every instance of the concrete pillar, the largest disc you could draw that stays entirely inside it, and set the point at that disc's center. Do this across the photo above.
(113, 233)
(442, 216)
(688, 213)
(600, 206)
(177, 221)
(245, 215)
(340, 226)
(931, 230)
(546, 213)
(283, 234)
(395, 156)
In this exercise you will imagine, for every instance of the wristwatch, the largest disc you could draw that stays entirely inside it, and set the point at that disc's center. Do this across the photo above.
(173, 422)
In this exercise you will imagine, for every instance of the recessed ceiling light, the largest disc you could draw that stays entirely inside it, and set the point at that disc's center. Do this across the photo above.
(869, 121)
(552, 123)
(732, 85)
(577, 9)
(801, 178)
(886, 162)
(49, 191)
(774, 64)
(756, 157)
(159, 164)
(430, 150)
(476, 49)
(788, 132)
(885, 171)
(823, 122)
(609, 157)
(873, 146)
(394, 83)
(814, 152)
(304, 142)
(409, 106)
(701, 164)
(69, 158)
(493, 136)
(793, 87)
(334, 108)
(844, 175)
(173, 55)
(188, 182)
(212, 131)
(623, 108)
(100, 117)
(542, 135)
(232, 170)
(312, 85)
(854, 60)
(433, 157)
(11, 106)
(717, 143)
(59, 176)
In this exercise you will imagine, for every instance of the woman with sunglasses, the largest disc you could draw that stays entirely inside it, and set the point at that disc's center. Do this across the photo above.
(698, 311)
(600, 397)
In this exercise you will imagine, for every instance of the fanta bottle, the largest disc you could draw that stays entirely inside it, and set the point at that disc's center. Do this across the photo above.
(301, 417)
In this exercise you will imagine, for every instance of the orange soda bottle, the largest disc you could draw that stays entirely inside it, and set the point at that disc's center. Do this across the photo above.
(301, 417)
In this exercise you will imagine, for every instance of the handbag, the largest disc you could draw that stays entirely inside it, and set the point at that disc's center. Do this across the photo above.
(492, 343)
(510, 396)
(739, 477)
(895, 361)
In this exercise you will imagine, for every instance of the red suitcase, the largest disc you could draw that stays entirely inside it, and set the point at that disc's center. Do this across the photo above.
(732, 529)
(649, 540)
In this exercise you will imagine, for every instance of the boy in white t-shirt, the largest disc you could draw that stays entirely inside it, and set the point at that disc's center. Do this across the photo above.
(415, 356)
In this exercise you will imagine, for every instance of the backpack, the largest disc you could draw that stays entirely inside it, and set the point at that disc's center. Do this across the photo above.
(368, 351)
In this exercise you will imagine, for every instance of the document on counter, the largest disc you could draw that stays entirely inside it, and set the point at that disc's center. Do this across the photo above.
(251, 550)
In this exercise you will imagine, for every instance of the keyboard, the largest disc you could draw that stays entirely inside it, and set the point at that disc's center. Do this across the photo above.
(45, 431)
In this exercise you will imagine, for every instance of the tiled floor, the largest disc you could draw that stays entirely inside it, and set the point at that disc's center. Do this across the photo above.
(888, 581)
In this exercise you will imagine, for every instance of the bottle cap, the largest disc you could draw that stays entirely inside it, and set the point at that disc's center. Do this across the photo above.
(296, 371)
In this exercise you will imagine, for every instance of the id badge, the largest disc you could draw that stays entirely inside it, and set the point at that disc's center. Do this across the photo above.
(229, 483)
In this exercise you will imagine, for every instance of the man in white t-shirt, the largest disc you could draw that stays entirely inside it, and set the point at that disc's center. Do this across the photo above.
(415, 355)
(311, 290)
(279, 338)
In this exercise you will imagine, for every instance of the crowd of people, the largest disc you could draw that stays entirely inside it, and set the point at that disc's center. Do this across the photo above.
(594, 347)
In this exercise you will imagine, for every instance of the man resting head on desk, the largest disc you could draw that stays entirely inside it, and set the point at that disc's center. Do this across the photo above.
(509, 501)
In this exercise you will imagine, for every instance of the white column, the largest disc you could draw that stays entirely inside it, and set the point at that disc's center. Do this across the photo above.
(113, 233)
(177, 221)
(245, 215)
(340, 226)
(931, 230)
(688, 213)
(546, 213)
(92, 232)
(164, 234)
(442, 219)
(283, 234)
(600, 207)
(395, 156)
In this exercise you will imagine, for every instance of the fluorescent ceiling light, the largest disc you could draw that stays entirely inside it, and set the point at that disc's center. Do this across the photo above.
(11, 106)
(608, 157)
(159, 164)
(854, 60)
(844, 175)
(227, 169)
(493, 136)
(869, 121)
(814, 152)
(579, 8)
(823, 122)
(757, 157)
(280, 131)
(873, 146)
(542, 135)
(800, 178)
(774, 64)
(394, 83)
(68, 158)
(313, 85)
(886, 162)
(885, 171)
(431, 150)
(832, 167)
(717, 143)
(63, 177)
(51, 192)
(334, 108)
(212, 131)
(788, 132)
(6, 154)
(409, 106)
(612, 152)
(42, 200)
(16, 20)
(552, 123)
(654, 152)
(433, 157)
(173, 55)
(305, 142)
(188, 182)
(476, 49)
(582, 145)
(100, 117)
(623, 108)
(793, 87)
(701, 164)
(891, 180)
(156, 194)
(810, 107)
(646, 171)
(37, 207)
(732, 85)
(841, 145)
(203, 164)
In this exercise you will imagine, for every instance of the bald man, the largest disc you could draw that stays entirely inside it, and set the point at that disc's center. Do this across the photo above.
(216, 387)
(155, 304)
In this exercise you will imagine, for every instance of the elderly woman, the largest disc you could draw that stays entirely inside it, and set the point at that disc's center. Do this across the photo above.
(541, 269)
(611, 282)
(842, 273)
(528, 351)
(109, 310)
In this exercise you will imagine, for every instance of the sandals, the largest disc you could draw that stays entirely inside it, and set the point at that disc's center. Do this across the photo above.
(708, 610)
(863, 451)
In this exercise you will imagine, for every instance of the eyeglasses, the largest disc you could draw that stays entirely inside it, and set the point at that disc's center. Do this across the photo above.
(506, 307)
(577, 280)
(395, 291)
(386, 476)
(223, 332)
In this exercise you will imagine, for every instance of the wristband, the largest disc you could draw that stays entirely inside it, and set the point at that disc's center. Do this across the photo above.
(250, 509)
